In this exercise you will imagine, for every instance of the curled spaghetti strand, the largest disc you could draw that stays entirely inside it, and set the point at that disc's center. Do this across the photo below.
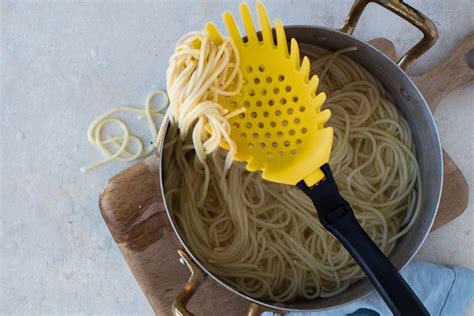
(118, 147)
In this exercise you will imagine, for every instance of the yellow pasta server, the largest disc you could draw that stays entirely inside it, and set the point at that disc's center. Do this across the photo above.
(282, 133)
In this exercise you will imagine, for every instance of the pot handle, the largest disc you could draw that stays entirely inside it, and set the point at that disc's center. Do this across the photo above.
(406, 12)
(196, 278)
(257, 310)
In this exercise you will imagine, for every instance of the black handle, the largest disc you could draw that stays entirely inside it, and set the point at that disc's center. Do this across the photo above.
(337, 216)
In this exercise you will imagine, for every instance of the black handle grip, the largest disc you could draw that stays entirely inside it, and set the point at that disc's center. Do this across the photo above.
(337, 216)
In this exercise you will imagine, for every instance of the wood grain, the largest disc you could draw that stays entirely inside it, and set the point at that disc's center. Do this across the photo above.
(453, 72)
(385, 46)
(455, 195)
(132, 207)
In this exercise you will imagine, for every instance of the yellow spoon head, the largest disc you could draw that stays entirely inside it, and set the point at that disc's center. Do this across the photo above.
(282, 132)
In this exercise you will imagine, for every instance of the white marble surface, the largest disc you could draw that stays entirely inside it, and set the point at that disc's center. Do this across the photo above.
(64, 62)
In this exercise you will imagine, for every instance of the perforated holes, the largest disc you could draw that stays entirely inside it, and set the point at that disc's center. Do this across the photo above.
(248, 125)
(274, 144)
(304, 130)
(264, 91)
(292, 132)
(250, 145)
(281, 153)
(259, 103)
(286, 143)
(246, 104)
(249, 69)
(284, 123)
(255, 135)
(277, 112)
(293, 152)
(271, 102)
(266, 114)
(283, 101)
(268, 135)
(236, 125)
(261, 125)
(269, 79)
(256, 80)
(273, 124)
(280, 134)
(298, 141)
(262, 145)
(253, 114)
(295, 99)
(269, 155)
(276, 90)
(233, 104)
(281, 78)
(261, 68)
(290, 111)
(288, 88)
(243, 135)
(251, 92)
(302, 109)
(297, 121)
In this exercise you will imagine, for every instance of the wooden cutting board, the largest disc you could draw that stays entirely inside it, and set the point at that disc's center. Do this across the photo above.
(132, 207)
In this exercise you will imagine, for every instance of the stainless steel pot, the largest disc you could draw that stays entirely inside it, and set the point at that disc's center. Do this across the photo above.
(428, 148)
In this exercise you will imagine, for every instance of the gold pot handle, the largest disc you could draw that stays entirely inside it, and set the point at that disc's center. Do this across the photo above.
(403, 10)
(196, 278)
(257, 310)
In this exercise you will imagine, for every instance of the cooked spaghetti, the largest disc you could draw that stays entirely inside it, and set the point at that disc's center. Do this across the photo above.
(120, 147)
(199, 72)
(264, 238)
